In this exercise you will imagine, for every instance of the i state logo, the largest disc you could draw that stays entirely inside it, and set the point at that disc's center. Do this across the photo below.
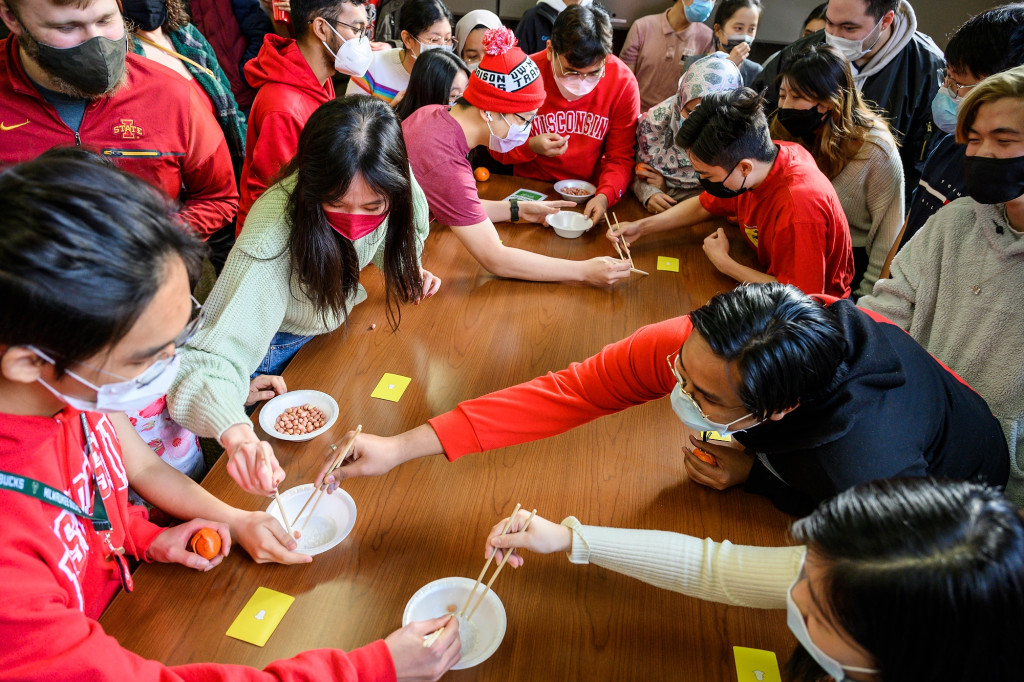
(127, 130)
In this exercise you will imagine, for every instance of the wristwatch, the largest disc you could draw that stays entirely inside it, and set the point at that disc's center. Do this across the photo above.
(514, 208)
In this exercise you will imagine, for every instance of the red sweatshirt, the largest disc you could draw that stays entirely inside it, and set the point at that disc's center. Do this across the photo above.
(601, 127)
(154, 127)
(288, 95)
(795, 222)
(57, 581)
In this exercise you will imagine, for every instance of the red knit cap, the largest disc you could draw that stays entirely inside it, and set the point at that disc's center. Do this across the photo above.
(507, 80)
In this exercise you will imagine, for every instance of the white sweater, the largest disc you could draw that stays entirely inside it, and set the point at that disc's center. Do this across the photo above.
(978, 335)
(742, 575)
(870, 189)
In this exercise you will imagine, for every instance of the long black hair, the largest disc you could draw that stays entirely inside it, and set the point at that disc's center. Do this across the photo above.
(430, 81)
(418, 15)
(84, 247)
(926, 576)
(345, 138)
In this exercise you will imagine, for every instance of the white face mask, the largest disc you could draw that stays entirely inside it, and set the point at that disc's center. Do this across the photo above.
(517, 136)
(573, 89)
(130, 395)
(855, 49)
(689, 412)
(426, 47)
(353, 57)
(798, 626)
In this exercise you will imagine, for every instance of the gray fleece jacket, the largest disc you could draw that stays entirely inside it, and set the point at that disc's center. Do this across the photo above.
(956, 287)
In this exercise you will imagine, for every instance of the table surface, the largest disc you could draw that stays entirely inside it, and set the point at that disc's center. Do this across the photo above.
(428, 518)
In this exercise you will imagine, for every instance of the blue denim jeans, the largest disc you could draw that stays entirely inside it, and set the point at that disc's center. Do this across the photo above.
(283, 348)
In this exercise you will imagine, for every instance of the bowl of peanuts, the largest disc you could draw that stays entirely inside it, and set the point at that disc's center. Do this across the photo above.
(299, 415)
(579, 191)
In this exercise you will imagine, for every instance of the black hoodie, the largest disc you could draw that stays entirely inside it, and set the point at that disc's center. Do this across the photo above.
(891, 410)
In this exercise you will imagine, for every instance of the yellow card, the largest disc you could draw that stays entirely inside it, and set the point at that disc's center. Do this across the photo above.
(260, 616)
(391, 387)
(756, 665)
(715, 435)
(669, 264)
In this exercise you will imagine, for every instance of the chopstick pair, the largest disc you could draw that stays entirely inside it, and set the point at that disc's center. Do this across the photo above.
(277, 495)
(318, 492)
(628, 256)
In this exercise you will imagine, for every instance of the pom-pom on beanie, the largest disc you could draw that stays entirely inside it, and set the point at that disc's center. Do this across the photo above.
(507, 80)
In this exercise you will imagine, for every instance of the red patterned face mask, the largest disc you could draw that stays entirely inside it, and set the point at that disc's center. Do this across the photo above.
(353, 225)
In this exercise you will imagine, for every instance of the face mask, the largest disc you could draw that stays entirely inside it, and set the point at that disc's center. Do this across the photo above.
(353, 225)
(718, 189)
(994, 181)
(944, 109)
(802, 123)
(149, 15)
(517, 135)
(855, 49)
(426, 47)
(94, 67)
(733, 41)
(699, 11)
(472, 65)
(574, 88)
(123, 396)
(690, 413)
(798, 626)
(353, 57)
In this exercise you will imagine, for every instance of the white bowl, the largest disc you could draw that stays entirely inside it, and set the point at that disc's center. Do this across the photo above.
(332, 520)
(273, 409)
(568, 224)
(562, 185)
(480, 636)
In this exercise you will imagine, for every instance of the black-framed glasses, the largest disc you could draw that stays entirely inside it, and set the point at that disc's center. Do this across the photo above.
(526, 121)
(945, 81)
(360, 31)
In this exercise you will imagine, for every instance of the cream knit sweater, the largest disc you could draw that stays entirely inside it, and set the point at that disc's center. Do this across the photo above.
(870, 189)
(256, 296)
(742, 575)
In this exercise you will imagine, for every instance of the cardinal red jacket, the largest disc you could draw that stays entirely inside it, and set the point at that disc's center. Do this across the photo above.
(154, 126)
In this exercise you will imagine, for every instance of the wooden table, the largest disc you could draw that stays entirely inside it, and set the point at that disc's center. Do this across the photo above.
(428, 519)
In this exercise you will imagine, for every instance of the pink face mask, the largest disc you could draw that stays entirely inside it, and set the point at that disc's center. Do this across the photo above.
(353, 225)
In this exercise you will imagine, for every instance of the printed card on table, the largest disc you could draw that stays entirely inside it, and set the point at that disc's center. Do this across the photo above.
(391, 387)
(756, 665)
(260, 616)
(668, 264)
(523, 194)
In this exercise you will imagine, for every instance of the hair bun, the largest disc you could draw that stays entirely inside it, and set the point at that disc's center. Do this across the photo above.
(499, 40)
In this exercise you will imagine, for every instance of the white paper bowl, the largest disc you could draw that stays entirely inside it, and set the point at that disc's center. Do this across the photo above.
(332, 521)
(562, 185)
(480, 636)
(568, 224)
(273, 409)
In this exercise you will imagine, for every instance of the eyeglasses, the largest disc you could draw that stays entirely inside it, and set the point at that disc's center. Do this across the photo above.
(360, 31)
(194, 324)
(672, 366)
(526, 121)
(571, 75)
(945, 81)
(439, 41)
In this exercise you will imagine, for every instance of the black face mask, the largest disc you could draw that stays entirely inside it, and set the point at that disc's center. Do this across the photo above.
(718, 189)
(802, 123)
(994, 181)
(94, 67)
(148, 15)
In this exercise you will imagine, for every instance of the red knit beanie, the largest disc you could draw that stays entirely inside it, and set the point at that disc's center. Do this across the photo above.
(507, 80)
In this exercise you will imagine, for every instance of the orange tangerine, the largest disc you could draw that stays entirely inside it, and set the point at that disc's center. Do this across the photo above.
(482, 174)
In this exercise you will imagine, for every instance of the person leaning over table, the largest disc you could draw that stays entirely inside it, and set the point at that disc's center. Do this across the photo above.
(586, 128)
(863, 602)
(819, 395)
(502, 98)
(347, 199)
(94, 302)
(787, 209)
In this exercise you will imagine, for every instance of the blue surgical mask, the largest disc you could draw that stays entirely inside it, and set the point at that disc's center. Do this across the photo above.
(944, 108)
(699, 11)
(798, 626)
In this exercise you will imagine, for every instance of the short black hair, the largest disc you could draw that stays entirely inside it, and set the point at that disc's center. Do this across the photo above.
(416, 16)
(786, 344)
(879, 8)
(981, 46)
(305, 11)
(582, 35)
(84, 247)
(726, 128)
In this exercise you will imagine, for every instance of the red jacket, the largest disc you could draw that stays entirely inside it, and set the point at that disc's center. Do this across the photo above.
(288, 95)
(57, 581)
(216, 20)
(601, 126)
(154, 127)
(795, 222)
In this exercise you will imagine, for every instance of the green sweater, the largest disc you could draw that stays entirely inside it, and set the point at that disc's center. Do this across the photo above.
(256, 296)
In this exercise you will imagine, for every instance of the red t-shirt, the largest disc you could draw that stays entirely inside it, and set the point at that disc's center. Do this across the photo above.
(796, 223)
(437, 151)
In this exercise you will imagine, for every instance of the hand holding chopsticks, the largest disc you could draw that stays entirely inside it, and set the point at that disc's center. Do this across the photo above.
(277, 497)
(318, 492)
(620, 239)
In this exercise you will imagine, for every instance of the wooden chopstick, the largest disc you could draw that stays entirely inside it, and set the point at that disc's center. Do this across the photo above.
(617, 237)
(332, 448)
(504, 560)
(277, 496)
(625, 245)
(494, 551)
(429, 641)
(334, 465)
